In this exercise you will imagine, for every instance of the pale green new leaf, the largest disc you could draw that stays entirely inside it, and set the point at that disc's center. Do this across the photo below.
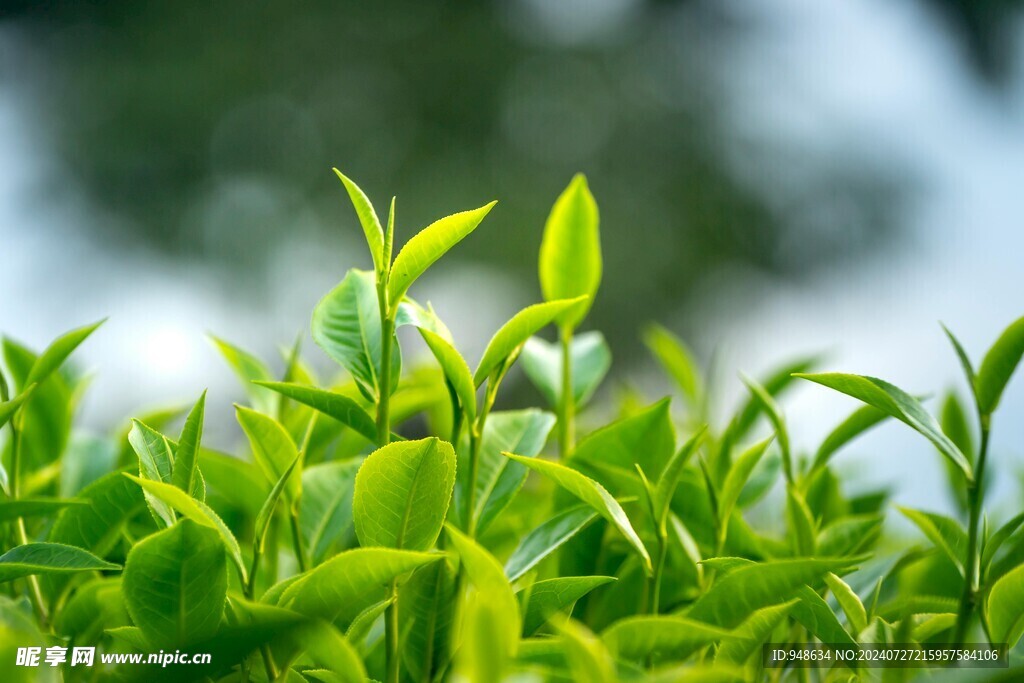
(48, 558)
(185, 472)
(570, 253)
(737, 477)
(455, 370)
(999, 365)
(993, 543)
(175, 584)
(57, 352)
(368, 220)
(767, 403)
(156, 463)
(336, 406)
(671, 474)
(266, 512)
(249, 369)
(546, 538)
(427, 246)
(513, 334)
(35, 507)
(402, 492)
(272, 448)
(852, 606)
(678, 361)
(544, 598)
(860, 421)
(589, 358)
(945, 532)
(744, 640)
(1006, 608)
(325, 511)
(591, 493)
(9, 408)
(659, 637)
(896, 403)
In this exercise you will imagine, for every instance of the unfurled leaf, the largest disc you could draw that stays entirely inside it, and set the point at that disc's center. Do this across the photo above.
(337, 406)
(853, 426)
(240, 483)
(586, 654)
(800, 522)
(272, 448)
(849, 535)
(737, 478)
(513, 334)
(774, 413)
(543, 540)
(896, 403)
(57, 352)
(267, 511)
(591, 493)
(662, 638)
(856, 615)
(402, 492)
(249, 369)
(677, 360)
(185, 472)
(1006, 608)
(426, 608)
(368, 220)
(747, 638)
(999, 365)
(427, 246)
(108, 504)
(9, 408)
(175, 584)
(545, 598)
(589, 358)
(570, 253)
(455, 370)
(946, 533)
(346, 325)
(668, 481)
(35, 507)
(325, 511)
(156, 463)
(48, 558)
(411, 313)
(992, 545)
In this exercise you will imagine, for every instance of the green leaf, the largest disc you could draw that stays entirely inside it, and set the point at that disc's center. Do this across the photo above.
(156, 463)
(195, 510)
(35, 507)
(9, 408)
(848, 535)
(513, 334)
(746, 589)
(272, 448)
(240, 483)
(427, 246)
(57, 352)
(267, 511)
(249, 369)
(570, 253)
(132, 636)
(498, 479)
(590, 359)
(994, 542)
(48, 558)
(965, 361)
(736, 479)
(856, 615)
(946, 533)
(1006, 608)
(325, 511)
(175, 584)
(545, 598)
(668, 481)
(455, 370)
(336, 406)
(591, 493)
(411, 313)
(767, 403)
(346, 325)
(801, 523)
(108, 504)
(343, 586)
(774, 383)
(185, 473)
(493, 589)
(747, 638)
(896, 403)
(815, 615)
(368, 219)
(361, 626)
(659, 638)
(999, 365)
(678, 361)
(426, 610)
(586, 654)
(330, 651)
(402, 492)
(860, 421)
(546, 538)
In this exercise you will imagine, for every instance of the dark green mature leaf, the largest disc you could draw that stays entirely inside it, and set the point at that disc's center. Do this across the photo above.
(747, 638)
(426, 608)
(48, 558)
(156, 463)
(543, 540)
(175, 584)
(748, 588)
(1005, 608)
(402, 492)
(591, 493)
(570, 254)
(58, 351)
(498, 479)
(343, 586)
(853, 426)
(896, 403)
(35, 507)
(678, 361)
(185, 473)
(346, 325)
(325, 511)
(513, 334)
(659, 637)
(428, 245)
(946, 533)
(455, 369)
(368, 219)
(589, 358)
(272, 448)
(545, 598)
(337, 406)
(249, 369)
(999, 365)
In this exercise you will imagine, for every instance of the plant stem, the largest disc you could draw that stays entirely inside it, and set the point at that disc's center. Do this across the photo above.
(34, 592)
(659, 570)
(300, 555)
(567, 409)
(476, 436)
(250, 585)
(975, 494)
(391, 636)
(384, 396)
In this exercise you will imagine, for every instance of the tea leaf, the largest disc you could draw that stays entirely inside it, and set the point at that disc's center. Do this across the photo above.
(249, 369)
(175, 584)
(848, 535)
(546, 538)
(856, 615)
(677, 360)
(660, 637)
(896, 403)
(545, 598)
(591, 493)
(35, 507)
(995, 541)
(239, 482)
(411, 313)
(426, 608)
(266, 512)
(325, 511)
(185, 471)
(336, 406)
(346, 325)
(1006, 608)
(800, 521)
(670, 475)
(109, 502)
(343, 586)
(999, 365)
(455, 370)
(587, 656)
(368, 219)
(743, 641)
(814, 614)
(156, 463)
(402, 492)
(330, 651)
(57, 352)
(48, 558)
(513, 334)
(947, 534)
(272, 448)
(427, 246)
(860, 421)
(590, 359)
(774, 413)
(737, 477)
(9, 408)
(361, 626)
(965, 361)
(570, 253)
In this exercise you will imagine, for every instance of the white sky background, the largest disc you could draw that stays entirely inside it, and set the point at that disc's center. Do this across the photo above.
(872, 75)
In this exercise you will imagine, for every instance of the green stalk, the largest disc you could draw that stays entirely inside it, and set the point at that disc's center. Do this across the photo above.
(300, 554)
(974, 504)
(35, 593)
(659, 571)
(567, 409)
(476, 436)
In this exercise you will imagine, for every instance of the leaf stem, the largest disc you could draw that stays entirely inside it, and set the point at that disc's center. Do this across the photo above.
(35, 593)
(300, 554)
(975, 495)
(659, 570)
(567, 409)
(391, 636)
(476, 436)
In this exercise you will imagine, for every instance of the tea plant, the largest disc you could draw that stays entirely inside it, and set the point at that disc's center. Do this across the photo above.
(357, 535)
